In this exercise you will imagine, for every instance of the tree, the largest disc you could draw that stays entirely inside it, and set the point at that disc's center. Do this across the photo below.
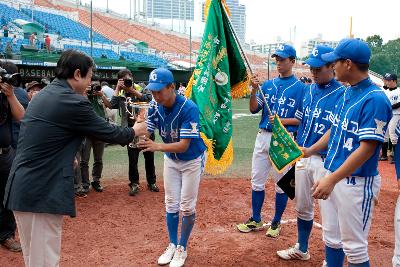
(375, 42)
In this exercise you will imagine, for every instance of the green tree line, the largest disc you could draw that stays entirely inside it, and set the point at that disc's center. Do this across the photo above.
(385, 57)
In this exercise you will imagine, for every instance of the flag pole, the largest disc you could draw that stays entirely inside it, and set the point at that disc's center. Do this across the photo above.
(246, 59)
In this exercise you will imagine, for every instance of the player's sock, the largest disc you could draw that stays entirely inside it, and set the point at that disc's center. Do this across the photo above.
(257, 201)
(172, 225)
(280, 206)
(186, 229)
(364, 264)
(334, 256)
(304, 230)
(384, 149)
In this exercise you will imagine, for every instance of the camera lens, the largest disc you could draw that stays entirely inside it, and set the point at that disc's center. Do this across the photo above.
(128, 82)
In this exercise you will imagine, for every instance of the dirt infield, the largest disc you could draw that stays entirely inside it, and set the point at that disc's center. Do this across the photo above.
(114, 229)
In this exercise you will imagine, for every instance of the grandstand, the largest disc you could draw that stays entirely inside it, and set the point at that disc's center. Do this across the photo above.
(114, 37)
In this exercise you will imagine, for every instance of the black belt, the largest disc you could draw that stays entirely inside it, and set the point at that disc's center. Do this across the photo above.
(265, 130)
(4, 150)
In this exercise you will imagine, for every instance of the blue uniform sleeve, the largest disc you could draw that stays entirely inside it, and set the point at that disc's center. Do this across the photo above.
(190, 128)
(376, 114)
(152, 118)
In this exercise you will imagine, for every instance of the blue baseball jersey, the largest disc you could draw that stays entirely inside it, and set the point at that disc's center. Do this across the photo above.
(283, 96)
(182, 121)
(315, 111)
(363, 113)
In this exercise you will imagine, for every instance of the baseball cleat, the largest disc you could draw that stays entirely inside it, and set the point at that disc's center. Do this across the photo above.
(168, 254)
(274, 230)
(179, 257)
(293, 253)
(250, 225)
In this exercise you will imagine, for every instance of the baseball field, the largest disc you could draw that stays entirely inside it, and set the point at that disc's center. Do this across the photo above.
(114, 229)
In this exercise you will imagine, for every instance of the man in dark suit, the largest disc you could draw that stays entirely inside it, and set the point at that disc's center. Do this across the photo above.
(40, 188)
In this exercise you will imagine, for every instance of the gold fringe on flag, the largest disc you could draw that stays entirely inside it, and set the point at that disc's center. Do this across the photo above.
(241, 89)
(214, 166)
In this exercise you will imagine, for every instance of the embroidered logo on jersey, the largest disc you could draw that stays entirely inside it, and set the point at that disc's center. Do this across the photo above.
(194, 128)
(379, 127)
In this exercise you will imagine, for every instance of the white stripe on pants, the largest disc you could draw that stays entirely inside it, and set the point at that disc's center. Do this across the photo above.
(396, 256)
(40, 235)
(307, 172)
(347, 216)
(181, 184)
(261, 166)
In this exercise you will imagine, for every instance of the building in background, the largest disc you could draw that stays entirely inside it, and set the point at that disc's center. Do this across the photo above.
(308, 46)
(268, 48)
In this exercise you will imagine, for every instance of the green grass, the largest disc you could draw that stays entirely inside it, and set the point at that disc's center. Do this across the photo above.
(244, 132)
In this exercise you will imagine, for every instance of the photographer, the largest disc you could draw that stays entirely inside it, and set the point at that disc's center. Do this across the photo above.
(97, 100)
(40, 188)
(125, 89)
(10, 108)
(12, 71)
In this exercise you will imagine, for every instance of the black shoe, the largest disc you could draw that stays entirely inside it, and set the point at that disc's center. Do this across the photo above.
(97, 186)
(80, 193)
(153, 188)
(85, 190)
(392, 161)
(134, 190)
(383, 158)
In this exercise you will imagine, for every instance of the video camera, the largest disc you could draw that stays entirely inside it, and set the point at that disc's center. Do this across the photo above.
(11, 79)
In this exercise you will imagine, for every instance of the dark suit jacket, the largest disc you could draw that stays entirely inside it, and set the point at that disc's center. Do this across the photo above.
(42, 178)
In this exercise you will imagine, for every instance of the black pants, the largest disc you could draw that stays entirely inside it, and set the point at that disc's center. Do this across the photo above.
(133, 155)
(98, 151)
(7, 220)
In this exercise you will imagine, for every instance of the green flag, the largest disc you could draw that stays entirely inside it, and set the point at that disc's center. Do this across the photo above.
(283, 150)
(219, 75)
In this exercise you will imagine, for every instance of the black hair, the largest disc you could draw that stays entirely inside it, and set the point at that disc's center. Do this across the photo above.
(362, 66)
(292, 58)
(122, 73)
(72, 60)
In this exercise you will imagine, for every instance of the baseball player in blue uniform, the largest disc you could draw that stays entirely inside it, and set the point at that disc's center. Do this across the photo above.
(178, 122)
(396, 256)
(314, 115)
(351, 185)
(283, 95)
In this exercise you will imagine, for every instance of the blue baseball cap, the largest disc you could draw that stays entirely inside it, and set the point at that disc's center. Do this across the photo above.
(315, 60)
(285, 51)
(354, 49)
(159, 78)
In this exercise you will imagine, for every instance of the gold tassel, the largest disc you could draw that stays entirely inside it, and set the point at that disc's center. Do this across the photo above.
(189, 87)
(214, 166)
(241, 89)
